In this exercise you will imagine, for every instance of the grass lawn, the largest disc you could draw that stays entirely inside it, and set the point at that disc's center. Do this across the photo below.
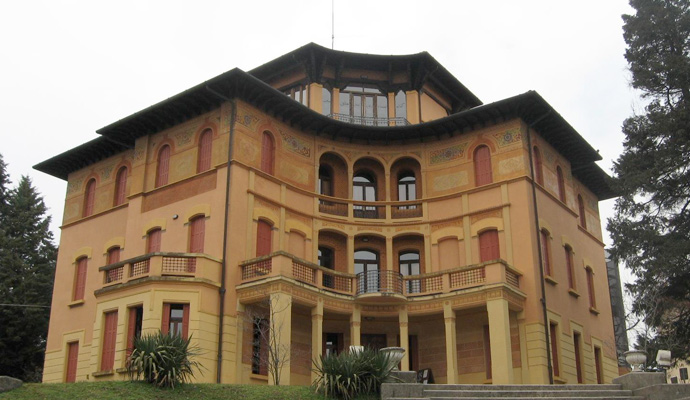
(139, 390)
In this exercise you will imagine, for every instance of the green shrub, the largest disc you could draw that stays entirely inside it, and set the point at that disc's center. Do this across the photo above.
(351, 374)
(163, 360)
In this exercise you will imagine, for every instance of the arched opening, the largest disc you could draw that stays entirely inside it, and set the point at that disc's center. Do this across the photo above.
(121, 186)
(538, 168)
(367, 270)
(482, 166)
(332, 175)
(205, 150)
(163, 166)
(364, 189)
(561, 184)
(581, 210)
(409, 263)
(267, 153)
(89, 197)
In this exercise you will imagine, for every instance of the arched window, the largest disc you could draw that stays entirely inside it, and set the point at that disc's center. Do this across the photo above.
(153, 241)
(163, 166)
(114, 274)
(561, 184)
(570, 267)
(409, 265)
(325, 181)
(263, 238)
(326, 260)
(590, 287)
(364, 189)
(538, 168)
(89, 197)
(546, 252)
(80, 279)
(197, 228)
(482, 166)
(267, 153)
(407, 186)
(205, 147)
(366, 269)
(581, 209)
(488, 246)
(121, 186)
(114, 254)
(400, 105)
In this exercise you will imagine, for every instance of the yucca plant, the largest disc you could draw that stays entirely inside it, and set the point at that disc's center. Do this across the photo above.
(163, 360)
(350, 374)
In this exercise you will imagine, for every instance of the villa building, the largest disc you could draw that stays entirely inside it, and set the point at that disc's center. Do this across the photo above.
(339, 199)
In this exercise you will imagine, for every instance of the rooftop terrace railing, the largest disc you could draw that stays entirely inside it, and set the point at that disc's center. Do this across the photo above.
(370, 121)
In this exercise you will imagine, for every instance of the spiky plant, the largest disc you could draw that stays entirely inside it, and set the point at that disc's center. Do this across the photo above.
(163, 360)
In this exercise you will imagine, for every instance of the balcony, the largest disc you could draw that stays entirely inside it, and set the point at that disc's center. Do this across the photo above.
(377, 285)
(162, 266)
(370, 121)
(370, 210)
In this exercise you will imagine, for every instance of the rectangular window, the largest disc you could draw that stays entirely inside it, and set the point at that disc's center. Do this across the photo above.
(136, 316)
(487, 351)
(577, 342)
(597, 364)
(80, 279)
(325, 101)
(553, 336)
(260, 346)
(109, 340)
(72, 360)
(175, 319)
(263, 238)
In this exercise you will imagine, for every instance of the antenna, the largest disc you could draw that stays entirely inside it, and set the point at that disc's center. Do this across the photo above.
(332, 24)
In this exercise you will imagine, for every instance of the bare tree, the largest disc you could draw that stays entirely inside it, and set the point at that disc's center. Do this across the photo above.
(270, 351)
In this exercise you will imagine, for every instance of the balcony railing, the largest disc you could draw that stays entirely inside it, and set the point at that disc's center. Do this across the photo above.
(282, 264)
(162, 264)
(370, 209)
(370, 121)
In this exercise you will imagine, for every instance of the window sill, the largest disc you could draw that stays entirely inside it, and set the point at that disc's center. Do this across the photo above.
(103, 373)
(550, 280)
(122, 370)
(259, 377)
(75, 303)
(573, 293)
(594, 311)
(558, 379)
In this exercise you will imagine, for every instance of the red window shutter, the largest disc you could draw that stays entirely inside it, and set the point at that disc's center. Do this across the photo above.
(581, 207)
(561, 184)
(538, 171)
(109, 339)
(263, 238)
(488, 246)
(267, 153)
(546, 252)
(89, 197)
(113, 255)
(165, 323)
(80, 280)
(131, 329)
(482, 166)
(590, 286)
(121, 186)
(154, 241)
(163, 166)
(205, 143)
(72, 360)
(196, 236)
(554, 349)
(569, 267)
(185, 321)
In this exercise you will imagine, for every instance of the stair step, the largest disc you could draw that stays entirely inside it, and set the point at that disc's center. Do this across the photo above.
(601, 396)
(614, 394)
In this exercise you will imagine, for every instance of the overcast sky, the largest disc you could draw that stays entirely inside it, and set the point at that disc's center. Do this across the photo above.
(68, 68)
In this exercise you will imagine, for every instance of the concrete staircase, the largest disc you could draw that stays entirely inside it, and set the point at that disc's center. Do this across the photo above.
(506, 392)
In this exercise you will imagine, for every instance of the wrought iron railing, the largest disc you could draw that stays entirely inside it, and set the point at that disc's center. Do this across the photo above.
(370, 121)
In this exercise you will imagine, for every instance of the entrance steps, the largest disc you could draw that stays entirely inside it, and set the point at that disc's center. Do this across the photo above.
(506, 392)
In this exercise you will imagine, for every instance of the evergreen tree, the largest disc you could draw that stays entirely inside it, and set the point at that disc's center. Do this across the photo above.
(27, 265)
(651, 228)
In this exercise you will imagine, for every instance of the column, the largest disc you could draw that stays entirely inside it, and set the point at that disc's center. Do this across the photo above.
(316, 334)
(355, 327)
(279, 338)
(499, 335)
(404, 338)
(239, 345)
(389, 253)
(451, 344)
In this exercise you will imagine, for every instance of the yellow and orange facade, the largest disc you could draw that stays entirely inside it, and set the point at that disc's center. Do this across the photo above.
(356, 199)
